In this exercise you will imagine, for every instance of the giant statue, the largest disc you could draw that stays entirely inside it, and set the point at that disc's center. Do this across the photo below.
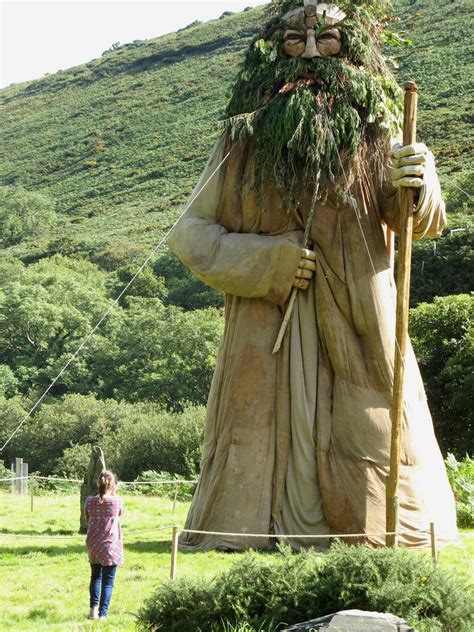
(298, 442)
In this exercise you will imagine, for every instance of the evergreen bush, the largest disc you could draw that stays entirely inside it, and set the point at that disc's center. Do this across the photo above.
(273, 591)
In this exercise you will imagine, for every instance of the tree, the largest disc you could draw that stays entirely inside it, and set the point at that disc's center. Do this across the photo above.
(8, 381)
(161, 353)
(10, 270)
(23, 214)
(442, 333)
(146, 283)
(44, 315)
(184, 289)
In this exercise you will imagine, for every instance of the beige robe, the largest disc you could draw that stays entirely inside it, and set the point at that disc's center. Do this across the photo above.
(298, 442)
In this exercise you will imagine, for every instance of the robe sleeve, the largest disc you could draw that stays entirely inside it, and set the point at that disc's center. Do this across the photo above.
(242, 264)
(429, 215)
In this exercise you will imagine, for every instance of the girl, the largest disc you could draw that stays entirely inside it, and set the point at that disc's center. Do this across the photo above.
(104, 542)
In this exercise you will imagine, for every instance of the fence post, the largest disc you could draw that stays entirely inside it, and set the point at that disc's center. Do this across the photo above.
(18, 474)
(24, 480)
(176, 487)
(32, 490)
(12, 470)
(174, 553)
(434, 553)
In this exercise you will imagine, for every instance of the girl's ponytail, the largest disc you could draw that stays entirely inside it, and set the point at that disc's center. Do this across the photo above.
(106, 482)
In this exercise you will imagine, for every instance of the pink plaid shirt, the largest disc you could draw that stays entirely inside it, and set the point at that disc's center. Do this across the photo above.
(104, 533)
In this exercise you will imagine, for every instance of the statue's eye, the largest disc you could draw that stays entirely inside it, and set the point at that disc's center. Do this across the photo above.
(326, 36)
(293, 37)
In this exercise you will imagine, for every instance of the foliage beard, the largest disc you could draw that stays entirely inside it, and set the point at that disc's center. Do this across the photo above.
(307, 120)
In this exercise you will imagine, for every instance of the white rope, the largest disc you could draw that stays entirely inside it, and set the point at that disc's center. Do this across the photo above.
(315, 537)
(56, 479)
(156, 482)
(14, 478)
(112, 306)
(442, 175)
(75, 537)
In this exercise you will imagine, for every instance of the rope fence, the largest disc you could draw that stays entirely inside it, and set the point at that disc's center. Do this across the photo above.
(33, 478)
(176, 530)
(321, 536)
(57, 479)
(41, 536)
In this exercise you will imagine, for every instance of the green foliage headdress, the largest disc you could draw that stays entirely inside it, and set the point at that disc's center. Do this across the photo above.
(300, 113)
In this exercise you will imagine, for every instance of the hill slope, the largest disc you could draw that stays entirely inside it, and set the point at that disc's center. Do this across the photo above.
(119, 142)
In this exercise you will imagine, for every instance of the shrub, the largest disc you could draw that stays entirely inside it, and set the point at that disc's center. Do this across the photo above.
(74, 461)
(4, 471)
(269, 592)
(134, 437)
(163, 441)
(183, 491)
(461, 477)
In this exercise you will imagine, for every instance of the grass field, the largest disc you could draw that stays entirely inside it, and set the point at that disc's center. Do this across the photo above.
(44, 583)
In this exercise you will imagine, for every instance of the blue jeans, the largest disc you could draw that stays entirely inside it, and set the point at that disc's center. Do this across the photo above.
(102, 583)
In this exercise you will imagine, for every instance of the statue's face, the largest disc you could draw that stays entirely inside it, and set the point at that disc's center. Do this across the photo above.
(312, 32)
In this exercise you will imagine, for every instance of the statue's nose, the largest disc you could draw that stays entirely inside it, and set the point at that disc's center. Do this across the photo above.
(311, 49)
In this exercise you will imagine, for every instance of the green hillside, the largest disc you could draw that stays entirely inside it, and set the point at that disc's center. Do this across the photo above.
(118, 143)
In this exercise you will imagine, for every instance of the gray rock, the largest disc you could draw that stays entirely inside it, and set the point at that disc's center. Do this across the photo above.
(89, 486)
(354, 621)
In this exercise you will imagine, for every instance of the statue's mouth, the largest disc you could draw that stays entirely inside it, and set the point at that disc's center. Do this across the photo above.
(307, 80)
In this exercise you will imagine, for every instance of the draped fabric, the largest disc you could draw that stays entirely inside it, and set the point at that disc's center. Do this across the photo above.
(298, 442)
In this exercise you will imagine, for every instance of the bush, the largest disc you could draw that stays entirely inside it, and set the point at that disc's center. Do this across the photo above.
(163, 441)
(183, 491)
(4, 471)
(461, 477)
(74, 461)
(134, 437)
(269, 592)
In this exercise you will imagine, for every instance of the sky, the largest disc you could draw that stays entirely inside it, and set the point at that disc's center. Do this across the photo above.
(39, 37)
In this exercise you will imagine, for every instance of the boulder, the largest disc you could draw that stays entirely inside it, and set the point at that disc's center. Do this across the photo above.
(354, 621)
(89, 486)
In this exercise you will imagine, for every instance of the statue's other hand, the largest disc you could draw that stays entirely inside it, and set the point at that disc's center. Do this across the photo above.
(305, 270)
(409, 164)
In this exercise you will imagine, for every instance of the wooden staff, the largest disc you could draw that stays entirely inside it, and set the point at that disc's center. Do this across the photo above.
(401, 327)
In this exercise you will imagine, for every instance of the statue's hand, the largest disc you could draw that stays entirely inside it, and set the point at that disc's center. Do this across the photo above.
(306, 268)
(409, 164)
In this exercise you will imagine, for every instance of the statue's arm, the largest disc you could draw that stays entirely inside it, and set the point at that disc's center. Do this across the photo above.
(415, 168)
(242, 264)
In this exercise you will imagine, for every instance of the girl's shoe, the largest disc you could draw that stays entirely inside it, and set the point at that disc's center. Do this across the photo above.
(94, 613)
(102, 618)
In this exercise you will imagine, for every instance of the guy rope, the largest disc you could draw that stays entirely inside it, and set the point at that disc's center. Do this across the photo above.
(112, 306)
